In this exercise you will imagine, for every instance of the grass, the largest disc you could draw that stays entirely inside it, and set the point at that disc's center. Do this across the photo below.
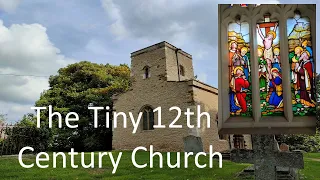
(311, 167)
(10, 169)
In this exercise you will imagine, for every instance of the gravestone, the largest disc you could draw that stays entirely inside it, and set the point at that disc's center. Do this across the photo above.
(266, 158)
(193, 144)
(284, 147)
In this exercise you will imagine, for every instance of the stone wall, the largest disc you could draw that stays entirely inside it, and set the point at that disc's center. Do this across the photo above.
(154, 91)
(166, 95)
(207, 97)
(184, 59)
(163, 88)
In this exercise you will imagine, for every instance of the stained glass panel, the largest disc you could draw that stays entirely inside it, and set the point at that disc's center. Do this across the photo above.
(270, 78)
(302, 66)
(239, 70)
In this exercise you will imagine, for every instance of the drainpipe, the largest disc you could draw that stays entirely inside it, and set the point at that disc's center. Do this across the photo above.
(176, 51)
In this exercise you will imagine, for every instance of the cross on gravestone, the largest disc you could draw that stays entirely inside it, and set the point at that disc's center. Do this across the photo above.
(266, 157)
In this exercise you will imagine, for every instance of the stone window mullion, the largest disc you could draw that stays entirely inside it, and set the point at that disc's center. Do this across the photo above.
(223, 67)
(255, 72)
(286, 81)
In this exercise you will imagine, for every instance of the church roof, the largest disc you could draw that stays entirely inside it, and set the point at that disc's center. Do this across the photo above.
(157, 46)
(204, 86)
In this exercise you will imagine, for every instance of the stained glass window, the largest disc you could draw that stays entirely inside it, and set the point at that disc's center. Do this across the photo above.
(302, 66)
(270, 78)
(239, 69)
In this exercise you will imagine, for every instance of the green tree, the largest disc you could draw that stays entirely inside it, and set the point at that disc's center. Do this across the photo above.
(301, 142)
(25, 133)
(75, 88)
(28, 120)
(3, 118)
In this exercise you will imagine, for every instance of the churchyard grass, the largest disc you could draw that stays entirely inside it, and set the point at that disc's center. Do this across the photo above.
(10, 169)
(311, 167)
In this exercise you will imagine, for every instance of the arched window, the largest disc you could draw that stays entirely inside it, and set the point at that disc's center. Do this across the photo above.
(302, 65)
(148, 118)
(181, 70)
(146, 70)
(270, 71)
(239, 69)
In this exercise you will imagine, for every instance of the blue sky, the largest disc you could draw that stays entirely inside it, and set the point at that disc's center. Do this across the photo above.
(38, 37)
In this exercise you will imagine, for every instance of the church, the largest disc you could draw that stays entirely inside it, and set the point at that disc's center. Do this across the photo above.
(162, 76)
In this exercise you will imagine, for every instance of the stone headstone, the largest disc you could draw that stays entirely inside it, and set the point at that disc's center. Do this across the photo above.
(284, 147)
(193, 144)
(266, 158)
(194, 132)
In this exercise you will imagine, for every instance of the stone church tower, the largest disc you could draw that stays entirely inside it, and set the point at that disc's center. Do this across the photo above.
(162, 76)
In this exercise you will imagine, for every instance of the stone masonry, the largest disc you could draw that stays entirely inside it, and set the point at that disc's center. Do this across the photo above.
(166, 87)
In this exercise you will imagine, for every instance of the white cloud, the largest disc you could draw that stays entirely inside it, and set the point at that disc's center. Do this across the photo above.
(167, 20)
(117, 27)
(14, 111)
(112, 9)
(26, 50)
(147, 18)
(9, 5)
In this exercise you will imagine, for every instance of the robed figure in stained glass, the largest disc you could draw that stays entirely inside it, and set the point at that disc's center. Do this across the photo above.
(276, 59)
(305, 77)
(262, 71)
(246, 62)
(240, 87)
(276, 98)
(233, 55)
(308, 49)
(294, 63)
